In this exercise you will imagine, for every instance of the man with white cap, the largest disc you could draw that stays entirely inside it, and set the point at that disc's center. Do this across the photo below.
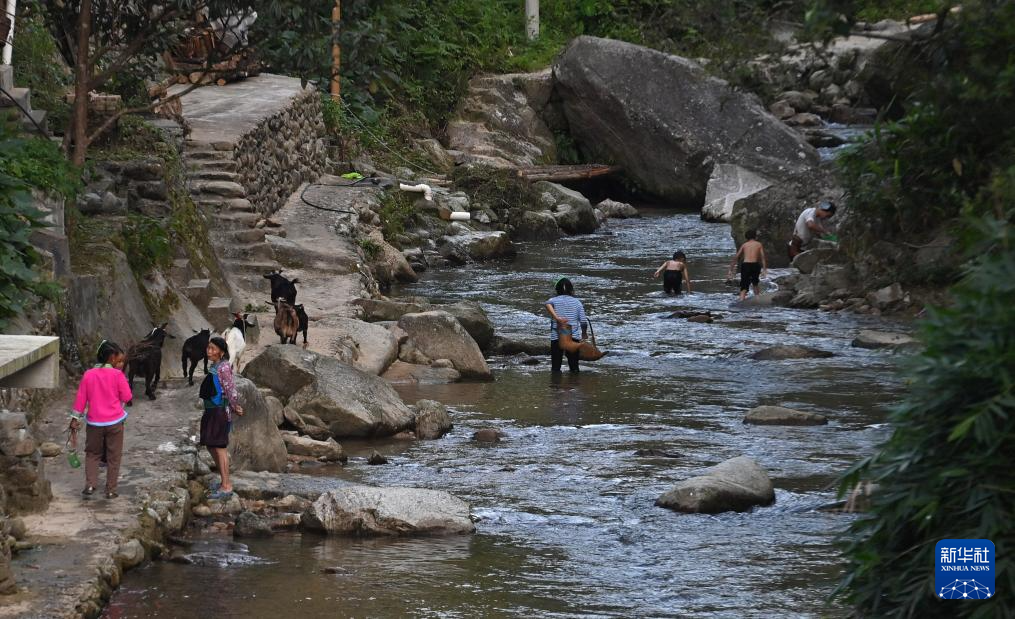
(809, 224)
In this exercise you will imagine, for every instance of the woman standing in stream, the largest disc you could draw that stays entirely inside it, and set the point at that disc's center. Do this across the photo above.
(221, 400)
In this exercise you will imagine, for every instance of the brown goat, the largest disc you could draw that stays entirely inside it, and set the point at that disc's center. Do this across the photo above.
(287, 324)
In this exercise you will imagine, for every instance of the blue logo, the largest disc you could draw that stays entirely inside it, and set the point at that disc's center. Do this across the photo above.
(964, 569)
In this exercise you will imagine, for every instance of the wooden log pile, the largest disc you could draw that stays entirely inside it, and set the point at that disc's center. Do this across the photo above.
(189, 62)
(558, 173)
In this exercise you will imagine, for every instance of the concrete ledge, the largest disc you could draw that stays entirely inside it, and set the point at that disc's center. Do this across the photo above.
(29, 361)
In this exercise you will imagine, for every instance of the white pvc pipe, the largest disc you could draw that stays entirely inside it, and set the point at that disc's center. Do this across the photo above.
(532, 19)
(460, 216)
(420, 188)
(9, 48)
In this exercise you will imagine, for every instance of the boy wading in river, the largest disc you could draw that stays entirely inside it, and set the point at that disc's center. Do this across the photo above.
(673, 272)
(754, 266)
(566, 311)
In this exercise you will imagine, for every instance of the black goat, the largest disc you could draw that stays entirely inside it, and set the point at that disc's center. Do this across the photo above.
(145, 359)
(301, 314)
(282, 288)
(195, 349)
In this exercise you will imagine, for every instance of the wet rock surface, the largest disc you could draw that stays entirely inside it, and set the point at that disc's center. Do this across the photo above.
(735, 485)
(369, 511)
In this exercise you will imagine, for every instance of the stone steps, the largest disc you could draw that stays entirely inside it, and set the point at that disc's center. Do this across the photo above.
(259, 251)
(225, 165)
(220, 313)
(199, 292)
(233, 220)
(220, 204)
(202, 174)
(250, 267)
(224, 189)
(206, 155)
(181, 271)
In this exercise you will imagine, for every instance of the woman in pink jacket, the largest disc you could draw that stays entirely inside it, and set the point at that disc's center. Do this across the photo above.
(101, 396)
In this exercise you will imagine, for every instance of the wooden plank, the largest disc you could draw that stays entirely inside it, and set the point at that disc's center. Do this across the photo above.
(566, 173)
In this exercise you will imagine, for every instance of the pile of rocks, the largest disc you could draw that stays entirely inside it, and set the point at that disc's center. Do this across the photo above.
(23, 484)
(831, 82)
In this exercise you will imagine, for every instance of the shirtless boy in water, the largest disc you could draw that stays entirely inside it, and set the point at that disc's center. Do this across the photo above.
(754, 264)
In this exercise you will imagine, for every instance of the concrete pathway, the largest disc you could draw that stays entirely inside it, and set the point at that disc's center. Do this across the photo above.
(76, 536)
(226, 113)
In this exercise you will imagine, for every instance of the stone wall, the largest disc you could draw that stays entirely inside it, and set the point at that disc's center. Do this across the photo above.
(281, 153)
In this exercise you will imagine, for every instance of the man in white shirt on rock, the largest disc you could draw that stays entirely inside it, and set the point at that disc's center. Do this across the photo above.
(809, 225)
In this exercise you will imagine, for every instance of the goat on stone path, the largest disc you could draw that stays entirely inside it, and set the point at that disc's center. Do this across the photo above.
(235, 337)
(301, 313)
(282, 287)
(287, 323)
(145, 359)
(195, 349)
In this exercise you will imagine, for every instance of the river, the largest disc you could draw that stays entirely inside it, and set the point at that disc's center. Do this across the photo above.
(567, 523)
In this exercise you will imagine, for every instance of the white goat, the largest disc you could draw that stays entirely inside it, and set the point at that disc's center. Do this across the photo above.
(235, 337)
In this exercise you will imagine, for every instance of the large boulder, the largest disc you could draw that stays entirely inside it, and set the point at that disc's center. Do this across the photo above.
(773, 211)
(368, 511)
(499, 121)
(387, 264)
(576, 219)
(432, 420)
(727, 184)
(351, 402)
(473, 317)
(476, 246)
(780, 416)
(283, 369)
(381, 310)
(552, 195)
(612, 209)
(255, 444)
(402, 373)
(365, 346)
(438, 335)
(535, 226)
(735, 485)
(667, 121)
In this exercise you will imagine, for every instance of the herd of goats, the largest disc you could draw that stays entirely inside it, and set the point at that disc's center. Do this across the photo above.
(145, 357)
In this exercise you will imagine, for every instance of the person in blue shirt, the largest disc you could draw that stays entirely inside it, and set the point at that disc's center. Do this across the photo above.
(567, 313)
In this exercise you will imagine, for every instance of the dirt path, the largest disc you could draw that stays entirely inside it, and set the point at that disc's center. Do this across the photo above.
(76, 536)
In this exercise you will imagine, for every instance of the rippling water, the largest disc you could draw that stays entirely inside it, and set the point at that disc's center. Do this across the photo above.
(568, 527)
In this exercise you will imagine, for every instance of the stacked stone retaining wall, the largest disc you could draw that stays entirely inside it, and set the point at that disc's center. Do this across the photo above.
(282, 152)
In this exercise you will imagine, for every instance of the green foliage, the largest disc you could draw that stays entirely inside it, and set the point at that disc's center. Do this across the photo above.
(370, 249)
(146, 243)
(945, 472)
(37, 63)
(927, 169)
(397, 213)
(39, 163)
(18, 259)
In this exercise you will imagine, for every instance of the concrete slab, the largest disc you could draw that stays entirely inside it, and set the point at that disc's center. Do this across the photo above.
(226, 113)
(29, 361)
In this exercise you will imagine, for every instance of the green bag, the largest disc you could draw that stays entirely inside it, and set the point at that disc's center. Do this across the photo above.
(73, 459)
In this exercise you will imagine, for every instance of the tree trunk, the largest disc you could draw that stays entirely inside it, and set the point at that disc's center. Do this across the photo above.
(82, 77)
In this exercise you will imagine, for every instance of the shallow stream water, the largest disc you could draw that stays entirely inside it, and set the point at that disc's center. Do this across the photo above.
(567, 523)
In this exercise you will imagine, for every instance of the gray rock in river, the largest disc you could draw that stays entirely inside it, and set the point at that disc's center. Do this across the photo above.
(432, 420)
(368, 511)
(352, 403)
(473, 318)
(327, 450)
(868, 338)
(576, 219)
(611, 209)
(255, 444)
(667, 121)
(479, 246)
(249, 524)
(387, 264)
(735, 485)
(780, 416)
(438, 335)
(780, 353)
(535, 226)
(521, 344)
